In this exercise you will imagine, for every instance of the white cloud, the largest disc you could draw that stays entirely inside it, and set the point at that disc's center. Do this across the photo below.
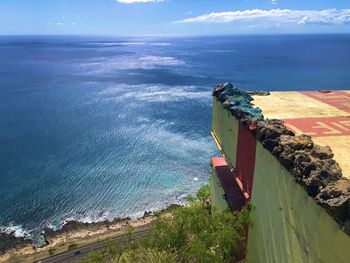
(302, 17)
(139, 1)
(274, 2)
(59, 24)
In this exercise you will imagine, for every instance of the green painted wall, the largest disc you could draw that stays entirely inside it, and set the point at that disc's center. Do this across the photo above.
(225, 128)
(216, 193)
(288, 225)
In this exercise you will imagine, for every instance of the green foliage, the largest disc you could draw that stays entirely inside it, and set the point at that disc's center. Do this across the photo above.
(51, 251)
(191, 234)
(195, 235)
(203, 194)
(147, 255)
(97, 257)
(72, 247)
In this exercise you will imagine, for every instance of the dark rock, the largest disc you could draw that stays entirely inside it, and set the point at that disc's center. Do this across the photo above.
(301, 158)
(120, 219)
(300, 142)
(335, 199)
(346, 227)
(259, 93)
(218, 89)
(238, 102)
(307, 168)
(286, 157)
(10, 241)
(271, 129)
(277, 150)
(270, 144)
(147, 214)
(322, 152)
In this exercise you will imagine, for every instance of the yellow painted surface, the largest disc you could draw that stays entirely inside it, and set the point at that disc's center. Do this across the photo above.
(294, 105)
(340, 146)
(216, 193)
(290, 105)
(288, 225)
(225, 128)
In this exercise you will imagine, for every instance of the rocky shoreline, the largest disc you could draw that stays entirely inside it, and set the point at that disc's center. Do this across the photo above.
(10, 241)
(72, 230)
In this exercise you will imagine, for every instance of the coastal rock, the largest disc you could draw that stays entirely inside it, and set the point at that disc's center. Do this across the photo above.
(322, 152)
(335, 198)
(72, 226)
(271, 129)
(296, 142)
(238, 102)
(147, 214)
(271, 144)
(218, 89)
(120, 220)
(10, 241)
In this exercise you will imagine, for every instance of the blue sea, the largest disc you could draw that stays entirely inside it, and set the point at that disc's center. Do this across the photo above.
(93, 128)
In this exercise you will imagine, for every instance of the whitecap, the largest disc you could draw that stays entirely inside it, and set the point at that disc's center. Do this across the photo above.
(18, 230)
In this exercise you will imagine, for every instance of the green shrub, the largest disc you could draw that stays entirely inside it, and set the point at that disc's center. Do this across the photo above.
(191, 234)
(51, 251)
(72, 247)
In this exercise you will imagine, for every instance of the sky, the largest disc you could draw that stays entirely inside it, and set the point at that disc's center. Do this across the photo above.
(173, 17)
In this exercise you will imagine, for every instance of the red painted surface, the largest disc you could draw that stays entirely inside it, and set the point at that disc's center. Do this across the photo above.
(218, 161)
(338, 99)
(245, 158)
(329, 126)
(234, 195)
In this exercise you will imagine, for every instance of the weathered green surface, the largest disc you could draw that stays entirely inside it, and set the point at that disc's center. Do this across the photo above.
(288, 225)
(225, 129)
(216, 193)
